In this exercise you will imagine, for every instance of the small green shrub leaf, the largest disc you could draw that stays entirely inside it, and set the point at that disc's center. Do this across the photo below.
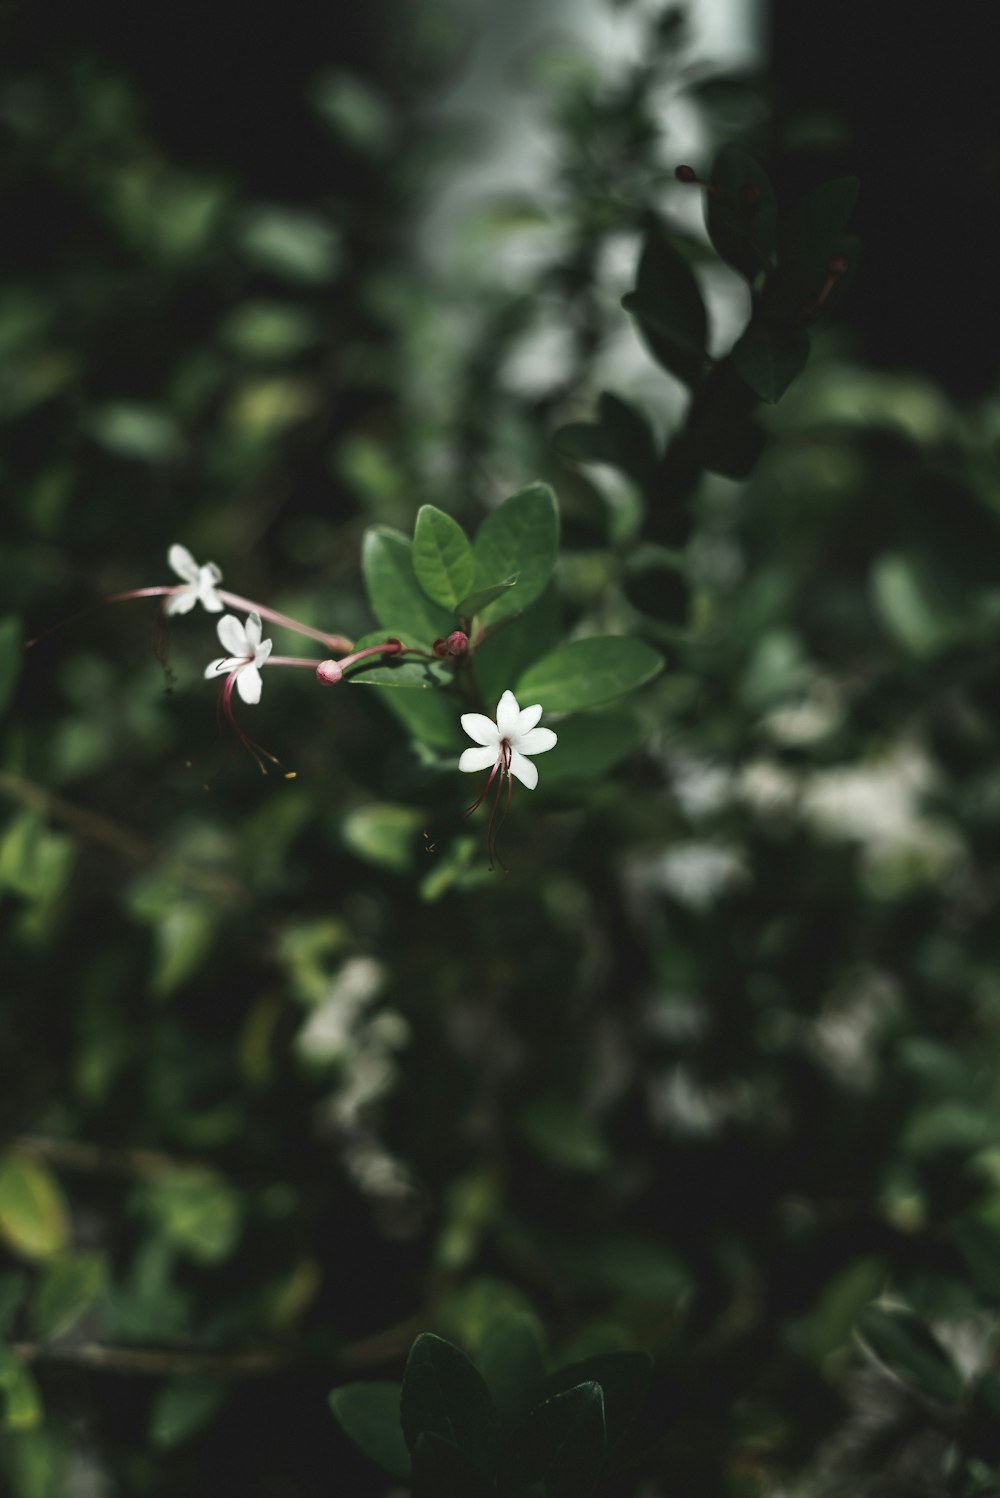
(520, 538)
(369, 1414)
(587, 672)
(442, 557)
(444, 1395)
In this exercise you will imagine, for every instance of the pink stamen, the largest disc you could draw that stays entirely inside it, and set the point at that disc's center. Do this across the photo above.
(493, 827)
(256, 751)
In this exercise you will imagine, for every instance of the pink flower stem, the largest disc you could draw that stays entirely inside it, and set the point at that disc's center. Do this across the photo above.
(332, 642)
(291, 660)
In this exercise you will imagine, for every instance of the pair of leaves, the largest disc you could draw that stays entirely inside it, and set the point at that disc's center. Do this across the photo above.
(621, 437)
(417, 590)
(443, 1432)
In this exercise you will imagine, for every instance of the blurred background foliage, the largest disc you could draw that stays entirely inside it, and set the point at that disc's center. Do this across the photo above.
(288, 1076)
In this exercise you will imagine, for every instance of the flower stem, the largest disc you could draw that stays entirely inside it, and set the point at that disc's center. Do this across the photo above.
(332, 642)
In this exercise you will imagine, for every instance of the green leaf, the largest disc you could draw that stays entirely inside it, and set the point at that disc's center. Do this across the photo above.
(629, 434)
(22, 1406)
(415, 673)
(506, 653)
(442, 557)
(910, 1350)
(769, 359)
(198, 1211)
(474, 603)
(444, 1395)
(11, 657)
(13, 1283)
(587, 672)
(369, 1414)
(559, 1445)
(521, 537)
(183, 1407)
(397, 601)
(564, 1135)
(34, 1219)
(67, 1288)
(591, 745)
(384, 835)
(137, 432)
(512, 1361)
(741, 215)
(905, 605)
(440, 1470)
(433, 717)
(624, 1378)
(668, 306)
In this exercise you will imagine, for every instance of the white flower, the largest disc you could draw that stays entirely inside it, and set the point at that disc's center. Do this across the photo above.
(200, 581)
(506, 742)
(247, 653)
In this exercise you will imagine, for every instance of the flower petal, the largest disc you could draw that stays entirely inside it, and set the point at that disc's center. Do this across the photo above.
(537, 741)
(254, 630)
(249, 684)
(207, 596)
(183, 563)
(262, 652)
(529, 716)
(508, 714)
(482, 729)
(478, 759)
(181, 602)
(221, 666)
(232, 637)
(526, 772)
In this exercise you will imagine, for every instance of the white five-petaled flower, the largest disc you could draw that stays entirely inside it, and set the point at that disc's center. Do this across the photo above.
(507, 742)
(201, 583)
(247, 653)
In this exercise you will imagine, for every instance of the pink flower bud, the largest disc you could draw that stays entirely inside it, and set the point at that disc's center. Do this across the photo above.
(328, 673)
(456, 645)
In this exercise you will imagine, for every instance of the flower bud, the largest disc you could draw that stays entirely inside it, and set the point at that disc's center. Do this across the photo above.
(685, 174)
(328, 673)
(456, 645)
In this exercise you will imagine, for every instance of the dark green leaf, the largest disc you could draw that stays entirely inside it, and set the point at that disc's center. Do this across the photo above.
(910, 1350)
(629, 434)
(562, 1133)
(979, 1245)
(369, 1414)
(770, 358)
(624, 1378)
(591, 745)
(559, 1445)
(20, 1403)
(668, 307)
(34, 1219)
(473, 603)
(440, 1470)
(443, 563)
(521, 537)
(741, 214)
(512, 1361)
(397, 601)
(587, 672)
(444, 1395)
(183, 1407)
(67, 1287)
(510, 649)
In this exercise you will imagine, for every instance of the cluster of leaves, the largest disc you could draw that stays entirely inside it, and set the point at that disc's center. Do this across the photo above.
(701, 1095)
(506, 1427)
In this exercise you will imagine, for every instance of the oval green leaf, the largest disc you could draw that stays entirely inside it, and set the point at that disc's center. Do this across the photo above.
(910, 1350)
(769, 359)
(34, 1219)
(369, 1414)
(560, 1445)
(397, 601)
(67, 1288)
(444, 1395)
(443, 563)
(587, 672)
(521, 537)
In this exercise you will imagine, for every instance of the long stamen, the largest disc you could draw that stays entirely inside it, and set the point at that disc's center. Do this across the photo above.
(256, 751)
(91, 608)
(493, 827)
